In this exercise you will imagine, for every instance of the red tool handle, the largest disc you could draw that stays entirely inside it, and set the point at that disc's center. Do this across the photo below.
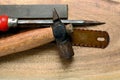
(3, 23)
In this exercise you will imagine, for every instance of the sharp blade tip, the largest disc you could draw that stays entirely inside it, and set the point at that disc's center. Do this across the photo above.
(100, 23)
(94, 22)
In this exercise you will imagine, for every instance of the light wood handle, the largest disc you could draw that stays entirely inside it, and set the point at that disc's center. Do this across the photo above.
(26, 40)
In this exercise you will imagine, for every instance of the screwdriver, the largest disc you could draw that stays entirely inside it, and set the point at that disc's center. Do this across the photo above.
(6, 22)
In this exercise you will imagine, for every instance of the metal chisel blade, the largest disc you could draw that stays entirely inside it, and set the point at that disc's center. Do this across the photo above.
(76, 23)
(90, 38)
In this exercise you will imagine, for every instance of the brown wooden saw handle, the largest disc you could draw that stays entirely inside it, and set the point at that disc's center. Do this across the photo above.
(25, 40)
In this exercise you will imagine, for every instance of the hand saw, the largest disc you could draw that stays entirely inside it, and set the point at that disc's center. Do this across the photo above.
(90, 38)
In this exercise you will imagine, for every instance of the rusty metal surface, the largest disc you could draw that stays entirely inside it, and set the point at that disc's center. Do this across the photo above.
(90, 38)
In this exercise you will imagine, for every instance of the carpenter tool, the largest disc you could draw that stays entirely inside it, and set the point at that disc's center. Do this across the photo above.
(65, 35)
(7, 22)
(62, 38)
(33, 38)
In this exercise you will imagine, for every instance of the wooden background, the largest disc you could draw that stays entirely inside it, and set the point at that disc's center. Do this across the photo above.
(88, 63)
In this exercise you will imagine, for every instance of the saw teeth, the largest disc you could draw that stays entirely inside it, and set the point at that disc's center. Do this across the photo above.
(88, 38)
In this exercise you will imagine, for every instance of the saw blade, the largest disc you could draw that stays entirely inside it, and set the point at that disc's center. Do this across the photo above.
(90, 38)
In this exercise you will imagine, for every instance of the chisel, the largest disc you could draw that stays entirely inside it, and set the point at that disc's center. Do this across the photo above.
(6, 22)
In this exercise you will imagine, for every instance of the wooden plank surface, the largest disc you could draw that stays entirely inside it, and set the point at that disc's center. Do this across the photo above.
(88, 63)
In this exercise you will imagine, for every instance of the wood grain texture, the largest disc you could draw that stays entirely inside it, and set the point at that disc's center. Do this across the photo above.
(88, 63)
(25, 41)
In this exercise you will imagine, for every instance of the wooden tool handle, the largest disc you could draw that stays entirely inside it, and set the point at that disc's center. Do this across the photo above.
(26, 40)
